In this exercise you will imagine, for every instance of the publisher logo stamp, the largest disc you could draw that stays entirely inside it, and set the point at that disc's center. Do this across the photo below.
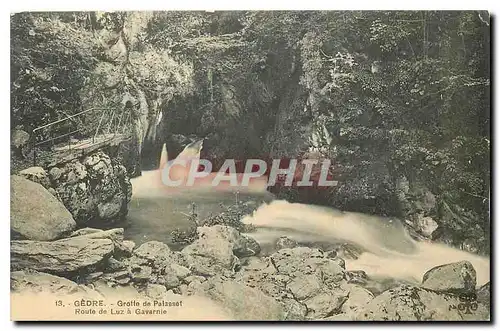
(468, 303)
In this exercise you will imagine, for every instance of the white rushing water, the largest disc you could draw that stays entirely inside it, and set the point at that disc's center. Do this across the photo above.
(390, 251)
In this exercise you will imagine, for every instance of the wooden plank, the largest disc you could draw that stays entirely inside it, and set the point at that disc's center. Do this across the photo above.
(81, 148)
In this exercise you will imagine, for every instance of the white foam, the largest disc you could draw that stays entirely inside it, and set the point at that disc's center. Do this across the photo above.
(390, 252)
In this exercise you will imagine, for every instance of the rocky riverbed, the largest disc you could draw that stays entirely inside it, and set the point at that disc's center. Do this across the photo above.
(224, 266)
(221, 273)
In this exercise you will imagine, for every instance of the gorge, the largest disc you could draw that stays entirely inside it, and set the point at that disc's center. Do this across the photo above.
(405, 235)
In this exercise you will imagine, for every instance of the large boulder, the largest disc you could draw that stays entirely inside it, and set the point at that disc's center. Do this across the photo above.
(32, 291)
(408, 303)
(209, 257)
(305, 260)
(37, 175)
(426, 225)
(35, 213)
(459, 277)
(305, 281)
(243, 246)
(153, 251)
(62, 257)
(217, 250)
(285, 242)
(36, 282)
(151, 263)
(357, 298)
(95, 189)
(244, 302)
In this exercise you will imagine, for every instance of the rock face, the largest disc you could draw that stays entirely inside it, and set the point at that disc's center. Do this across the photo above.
(298, 283)
(244, 302)
(35, 213)
(285, 242)
(306, 282)
(19, 138)
(426, 226)
(34, 281)
(37, 175)
(95, 189)
(151, 263)
(243, 246)
(60, 257)
(217, 249)
(459, 277)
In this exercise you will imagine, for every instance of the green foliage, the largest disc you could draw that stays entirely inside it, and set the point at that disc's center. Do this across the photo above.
(390, 94)
(184, 237)
(50, 62)
(231, 216)
(411, 101)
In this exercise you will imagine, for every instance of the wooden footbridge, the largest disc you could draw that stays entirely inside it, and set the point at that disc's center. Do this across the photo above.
(80, 134)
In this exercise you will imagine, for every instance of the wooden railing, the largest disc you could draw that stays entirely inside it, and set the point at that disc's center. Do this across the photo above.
(94, 124)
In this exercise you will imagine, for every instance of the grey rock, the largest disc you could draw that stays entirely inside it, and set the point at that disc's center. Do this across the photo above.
(244, 302)
(324, 304)
(356, 277)
(123, 274)
(36, 282)
(357, 298)
(484, 294)
(426, 225)
(115, 265)
(170, 281)
(35, 213)
(305, 286)
(255, 263)
(19, 138)
(141, 273)
(94, 189)
(289, 261)
(122, 281)
(294, 310)
(153, 251)
(305, 281)
(408, 303)
(129, 246)
(53, 192)
(93, 276)
(115, 235)
(84, 232)
(453, 277)
(60, 257)
(55, 173)
(155, 291)
(179, 271)
(194, 278)
(183, 289)
(243, 246)
(246, 246)
(212, 253)
(124, 249)
(37, 175)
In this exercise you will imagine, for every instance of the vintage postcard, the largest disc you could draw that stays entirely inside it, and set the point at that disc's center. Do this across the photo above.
(250, 165)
